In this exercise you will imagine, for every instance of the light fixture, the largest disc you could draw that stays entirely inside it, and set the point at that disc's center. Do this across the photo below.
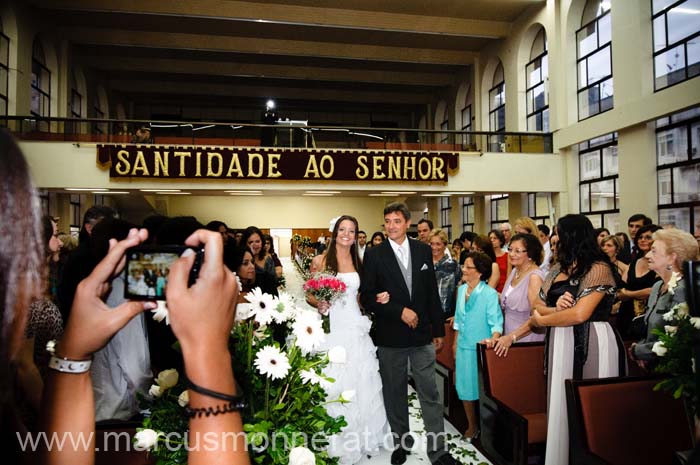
(270, 104)
(159, 190)
(110, 192)
(323, 192)
(172, 193)
(435, 195)
(457, 193)
(316, 194)
(89, 189)
(399, 192)
(243, 192)
(383, 195)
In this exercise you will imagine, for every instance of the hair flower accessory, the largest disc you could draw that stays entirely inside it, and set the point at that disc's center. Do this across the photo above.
(332, 223)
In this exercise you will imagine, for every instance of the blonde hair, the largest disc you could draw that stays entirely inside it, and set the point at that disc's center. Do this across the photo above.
(437, 232)
(615, 240)
(683, 244)
(526, 223)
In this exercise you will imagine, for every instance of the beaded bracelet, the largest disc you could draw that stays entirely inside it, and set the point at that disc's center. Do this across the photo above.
(219, 410)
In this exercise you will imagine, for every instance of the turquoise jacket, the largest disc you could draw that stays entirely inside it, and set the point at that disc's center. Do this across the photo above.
(478, 318)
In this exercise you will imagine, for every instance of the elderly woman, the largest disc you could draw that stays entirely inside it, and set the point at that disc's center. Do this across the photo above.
(525, 225)
(671, 248)
(521, 289)
(639, 280)
(447, 272)
(477, 317)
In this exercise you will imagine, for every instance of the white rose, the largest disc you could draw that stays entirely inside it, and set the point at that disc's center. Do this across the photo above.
(155, 391)
(682, 310)
(671, 329)
(669, 315)
(695, 321)
(301, 456)
(659, 348)
(347, 396)
(184, 399)
(145, 439)
(337, 354)
(167, 378)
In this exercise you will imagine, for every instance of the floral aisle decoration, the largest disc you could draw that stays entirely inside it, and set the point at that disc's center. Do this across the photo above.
(325, 287)
(675, 351)
(276, 357)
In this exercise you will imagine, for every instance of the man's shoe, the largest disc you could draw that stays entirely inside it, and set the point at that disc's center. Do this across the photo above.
(398, 456)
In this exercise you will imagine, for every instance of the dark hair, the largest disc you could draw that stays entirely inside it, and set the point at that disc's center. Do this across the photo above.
(47, 231)
(425, 220)
(639, 217)
(22, 259)
(469, 236)
(578, 248)
(624, 254)
(331, 257)
(483, 243)
(249, 231)
(483, 264)
(94, 215)
(175, 230)
(377, 234)
(399, 207)
(534, 248)
(361, 232)
(233, 256)
(597, 231)
(152, 224)
(215, 225)
(108, 228)
(499, 235)
(644, 229)
(544, 229)
(267, 238)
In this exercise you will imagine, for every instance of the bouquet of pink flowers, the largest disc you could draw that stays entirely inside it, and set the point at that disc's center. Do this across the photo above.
(325, 288)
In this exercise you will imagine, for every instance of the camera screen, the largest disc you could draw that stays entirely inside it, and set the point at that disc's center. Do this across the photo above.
(147, 273)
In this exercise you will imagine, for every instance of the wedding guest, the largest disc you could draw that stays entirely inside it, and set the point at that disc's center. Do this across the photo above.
(240, 260)
(466, 237)
(477, 317)
(506, 229)
(424, 227)
(498, 241)
(639, 280)
(361, 244)
(264, 264)
(634, 224)
(456, 250)
(270, 250)
(625, 254)
(482, 244)
(447, 272)
(220, 227)
(525, 225)
(521, 289)
(671, 248)
(543, 235)
(600, 234)
(377, 238)
(612, 245)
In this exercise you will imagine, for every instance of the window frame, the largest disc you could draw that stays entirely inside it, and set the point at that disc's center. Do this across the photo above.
(530, 89)
(495, 200)
(579, 59)
(5, 68)
(668, 47)
(445, 206)
(466, 202)
(599, 147)
(45, 96)
(536, 215)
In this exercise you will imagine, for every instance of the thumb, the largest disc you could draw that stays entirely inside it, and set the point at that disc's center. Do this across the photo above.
(123, 313)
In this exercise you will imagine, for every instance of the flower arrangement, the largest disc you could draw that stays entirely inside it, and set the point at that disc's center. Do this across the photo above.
(675, 351)
(325, 288)
(275, 352)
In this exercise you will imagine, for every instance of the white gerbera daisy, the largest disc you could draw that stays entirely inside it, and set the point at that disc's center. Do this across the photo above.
(262, 306)
(285, 308)
(308, 376)
(272, 362)
(308, 330)
(695, 321)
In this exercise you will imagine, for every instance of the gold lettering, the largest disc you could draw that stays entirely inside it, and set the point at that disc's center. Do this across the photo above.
(424, 175)
(394, 167)
(362, 171)
(251, 171)
(234, 167)
(161, 163)
(123, 166)
(377, 168)
(329, 160)
(438, 166)
(198, 165)
(140, 164)
(211, 156)
(409, 165)
(182, 156)
(311, 167)
(272, 171)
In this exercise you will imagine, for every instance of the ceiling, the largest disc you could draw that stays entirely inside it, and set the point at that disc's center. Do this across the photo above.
(386, 55)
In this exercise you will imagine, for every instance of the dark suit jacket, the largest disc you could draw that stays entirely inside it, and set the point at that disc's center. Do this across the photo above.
(382, 273)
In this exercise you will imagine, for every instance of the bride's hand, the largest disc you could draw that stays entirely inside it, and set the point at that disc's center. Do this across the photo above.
(323, 307)
(383, 297)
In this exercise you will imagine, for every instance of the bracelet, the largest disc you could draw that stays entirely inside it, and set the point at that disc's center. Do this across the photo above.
(514, 338)
(65, 365)
(219, 410)
(232, 399)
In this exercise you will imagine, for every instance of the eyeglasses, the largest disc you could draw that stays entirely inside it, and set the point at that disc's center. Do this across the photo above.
(518, 250)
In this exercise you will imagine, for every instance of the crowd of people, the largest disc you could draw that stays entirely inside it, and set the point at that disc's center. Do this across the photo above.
(581, 290)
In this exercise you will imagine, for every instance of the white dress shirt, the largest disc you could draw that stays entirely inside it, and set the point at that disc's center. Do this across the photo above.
(405, 251)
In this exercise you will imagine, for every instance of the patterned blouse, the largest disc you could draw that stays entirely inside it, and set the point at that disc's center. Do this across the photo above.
(447, 274)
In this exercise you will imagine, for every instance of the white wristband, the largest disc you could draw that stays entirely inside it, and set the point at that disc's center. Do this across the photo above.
(65, 365)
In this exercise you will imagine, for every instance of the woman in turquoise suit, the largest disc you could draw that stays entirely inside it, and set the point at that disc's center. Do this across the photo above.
(477, 317)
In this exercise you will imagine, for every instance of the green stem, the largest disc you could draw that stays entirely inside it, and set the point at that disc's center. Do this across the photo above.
(267, 398)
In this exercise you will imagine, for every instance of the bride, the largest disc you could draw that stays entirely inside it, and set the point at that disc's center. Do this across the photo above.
(365, 416)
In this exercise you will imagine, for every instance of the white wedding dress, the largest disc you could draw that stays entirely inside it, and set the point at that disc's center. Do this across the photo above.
(367, 426)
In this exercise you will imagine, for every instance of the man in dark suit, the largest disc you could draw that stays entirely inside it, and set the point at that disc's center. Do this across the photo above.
(400, 289)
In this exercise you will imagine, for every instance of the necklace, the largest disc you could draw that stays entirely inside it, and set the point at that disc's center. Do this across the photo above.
(519, 273)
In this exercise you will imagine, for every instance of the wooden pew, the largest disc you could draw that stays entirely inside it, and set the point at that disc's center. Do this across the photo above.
(513, 402)
(453, 409)
(620, 421)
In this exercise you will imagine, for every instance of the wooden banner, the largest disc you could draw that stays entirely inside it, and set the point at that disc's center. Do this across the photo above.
(138, 161)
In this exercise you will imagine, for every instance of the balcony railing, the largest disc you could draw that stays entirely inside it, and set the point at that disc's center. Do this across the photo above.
(282, 134)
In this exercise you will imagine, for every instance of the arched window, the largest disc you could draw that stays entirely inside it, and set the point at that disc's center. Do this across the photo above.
(76, 98)
(445, 126)
(497, 101)
(676, 41)
(594, 60)
(41, 82)
(4, 71)
(537, 92)
(466, 114)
